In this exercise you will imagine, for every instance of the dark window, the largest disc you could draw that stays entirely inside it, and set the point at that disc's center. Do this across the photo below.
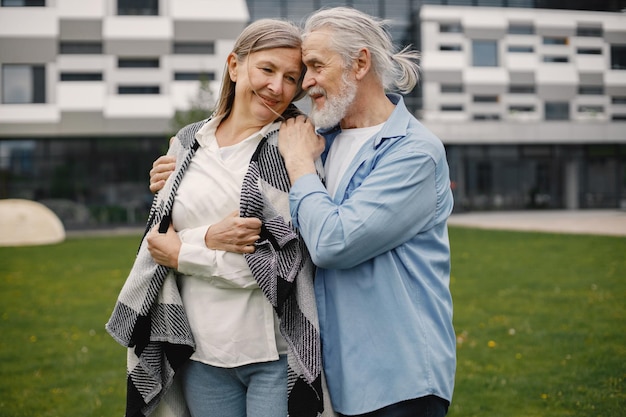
(450, 48)
(194, 48)
(138, 62)
(557, 110)
(619, 117)
(486, 117)
(23, 3)
(594, 90)
(618, 57)
(23, 84)
(521, 49)
(589, 32)
(452, 107)
(78, 47)
(485, 99)
(138, 7)
(450, 28)
(484, 53)
(589, 51)
(555, 59)
(451, 88)
(521, 109)
(484, 175)
(553, 40)
(521, 29)
(138, 89)
(194, 76)
(618, 100)
(81, 76)
(522, 89)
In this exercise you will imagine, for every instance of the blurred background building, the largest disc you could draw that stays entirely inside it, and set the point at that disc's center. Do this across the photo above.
(529, 96)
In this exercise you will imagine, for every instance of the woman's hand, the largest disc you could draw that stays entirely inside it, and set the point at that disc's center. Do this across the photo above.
(162, 168)
(234, 234)
(164, 247)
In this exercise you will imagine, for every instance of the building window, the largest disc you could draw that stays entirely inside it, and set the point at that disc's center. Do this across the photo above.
(452, 107)
(557, 110)
(619, 117)
(522, 89)
(78, 47)
(194, 48)
(515, 29)
(485, 99)
(81, 76)
(521, 49)
(138, 63)
(593, 32)
(138, 7)
(590, 109)
(555, 59)
(618, 100)
(194, 76)
(450, 28)
(553, 40)
(618, 57)
(521, 109)
(483, 117)
(591, 90)
(23, 3)
(138, 89)
(589, 51)
(449, 47)
(23, 84)
(484, 53)
(451, 88)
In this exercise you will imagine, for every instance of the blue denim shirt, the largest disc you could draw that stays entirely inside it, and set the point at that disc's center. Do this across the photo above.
(383, 256)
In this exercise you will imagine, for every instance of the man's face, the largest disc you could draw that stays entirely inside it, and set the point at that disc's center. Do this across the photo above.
(327, 81)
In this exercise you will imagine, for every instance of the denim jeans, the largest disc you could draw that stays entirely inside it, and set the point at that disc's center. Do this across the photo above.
(429, 406)
(255, 390)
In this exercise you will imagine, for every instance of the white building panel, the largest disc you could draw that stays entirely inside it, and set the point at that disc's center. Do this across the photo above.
(81, 96)
(81, 9)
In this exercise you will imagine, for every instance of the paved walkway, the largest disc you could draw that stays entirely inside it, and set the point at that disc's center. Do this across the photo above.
(595, 222)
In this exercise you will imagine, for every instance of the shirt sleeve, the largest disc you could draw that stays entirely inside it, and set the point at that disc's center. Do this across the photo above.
(198, 260)
(387, 203)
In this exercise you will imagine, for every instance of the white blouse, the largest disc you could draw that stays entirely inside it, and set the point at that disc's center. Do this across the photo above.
(232, 322)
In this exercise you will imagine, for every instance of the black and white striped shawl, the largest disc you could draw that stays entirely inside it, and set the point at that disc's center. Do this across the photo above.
(149, 317)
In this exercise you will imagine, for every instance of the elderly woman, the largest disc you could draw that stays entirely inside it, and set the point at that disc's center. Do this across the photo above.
(210, 310)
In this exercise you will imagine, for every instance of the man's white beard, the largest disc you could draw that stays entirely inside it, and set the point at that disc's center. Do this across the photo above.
(335, 107)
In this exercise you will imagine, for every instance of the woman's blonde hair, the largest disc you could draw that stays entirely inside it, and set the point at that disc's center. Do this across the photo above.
(260, 35)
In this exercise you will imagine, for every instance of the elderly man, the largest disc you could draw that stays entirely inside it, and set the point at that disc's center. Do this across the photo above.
(377, 229)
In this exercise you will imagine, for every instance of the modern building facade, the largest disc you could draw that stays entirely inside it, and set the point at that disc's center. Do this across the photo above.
(89, 89)
(529, 101)
(531, 104)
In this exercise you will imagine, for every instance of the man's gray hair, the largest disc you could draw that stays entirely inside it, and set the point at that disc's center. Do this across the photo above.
(354, 30)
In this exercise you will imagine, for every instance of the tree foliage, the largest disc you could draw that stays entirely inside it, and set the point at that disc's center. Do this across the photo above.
(201, 106)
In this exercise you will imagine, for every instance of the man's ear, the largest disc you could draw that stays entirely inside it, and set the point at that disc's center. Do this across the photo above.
(362, 64)
(231, 61)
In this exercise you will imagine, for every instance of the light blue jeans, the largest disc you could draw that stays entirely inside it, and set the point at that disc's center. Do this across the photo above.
(255, 390)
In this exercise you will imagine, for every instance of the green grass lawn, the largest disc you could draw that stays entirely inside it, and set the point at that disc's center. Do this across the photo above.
(540, 321)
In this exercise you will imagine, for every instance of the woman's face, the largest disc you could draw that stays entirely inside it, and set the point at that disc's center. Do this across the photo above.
(265, 80)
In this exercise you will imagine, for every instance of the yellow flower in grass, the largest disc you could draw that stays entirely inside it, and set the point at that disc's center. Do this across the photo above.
(491, 344)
